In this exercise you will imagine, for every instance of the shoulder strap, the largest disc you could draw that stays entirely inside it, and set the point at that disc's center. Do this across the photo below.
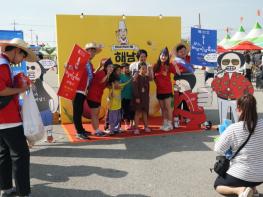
(239, 149)
(3, 61)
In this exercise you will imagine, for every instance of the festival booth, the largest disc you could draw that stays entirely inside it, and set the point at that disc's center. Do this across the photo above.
(121, 39)
(140, 32)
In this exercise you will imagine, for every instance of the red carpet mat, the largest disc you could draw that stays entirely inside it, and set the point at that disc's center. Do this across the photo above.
(154, 125)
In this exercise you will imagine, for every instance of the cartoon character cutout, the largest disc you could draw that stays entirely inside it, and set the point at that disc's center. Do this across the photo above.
(122, 33)
(45, 96)
(229, 84)
(187, 110)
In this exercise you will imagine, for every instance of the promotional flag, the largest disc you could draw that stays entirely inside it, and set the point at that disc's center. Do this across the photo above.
(76, 66)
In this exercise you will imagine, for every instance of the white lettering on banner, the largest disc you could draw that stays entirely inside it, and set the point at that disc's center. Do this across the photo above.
(125, 47)
(203, 32)
(81, 53)
(73, 76)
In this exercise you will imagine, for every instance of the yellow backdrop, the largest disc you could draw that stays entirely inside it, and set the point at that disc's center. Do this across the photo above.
(121, 39)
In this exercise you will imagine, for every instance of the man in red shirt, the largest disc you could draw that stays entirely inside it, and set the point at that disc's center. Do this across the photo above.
(85, 81)
(14, 152)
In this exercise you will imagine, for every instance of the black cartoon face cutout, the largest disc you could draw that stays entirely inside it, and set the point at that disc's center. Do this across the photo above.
(231, 61)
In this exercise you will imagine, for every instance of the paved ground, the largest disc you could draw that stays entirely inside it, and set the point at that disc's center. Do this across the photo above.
(164, 166)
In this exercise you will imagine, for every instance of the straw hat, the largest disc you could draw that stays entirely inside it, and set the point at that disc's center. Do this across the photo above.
(94, 45)
(21, 44)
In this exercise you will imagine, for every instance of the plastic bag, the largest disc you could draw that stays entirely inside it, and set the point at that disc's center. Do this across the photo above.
(32, 122)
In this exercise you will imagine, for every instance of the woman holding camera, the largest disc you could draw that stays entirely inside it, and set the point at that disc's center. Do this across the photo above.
(245, 171)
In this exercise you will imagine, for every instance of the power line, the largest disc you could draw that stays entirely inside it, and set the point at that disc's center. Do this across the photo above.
(14, 24)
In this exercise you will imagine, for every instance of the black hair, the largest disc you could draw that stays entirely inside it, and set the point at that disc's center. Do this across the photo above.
(106, 63)
(40, 55)
(10, 48)
(179, 47)
(141, 64)
(247, 58)
(248, 106)
(113, 77)
(157, 67)
(125, 65)
(241, 57)
(141, 51)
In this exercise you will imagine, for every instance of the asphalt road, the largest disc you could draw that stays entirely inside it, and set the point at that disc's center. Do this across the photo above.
(164, 166)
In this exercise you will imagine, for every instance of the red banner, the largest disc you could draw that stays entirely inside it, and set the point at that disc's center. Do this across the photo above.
(73, 72)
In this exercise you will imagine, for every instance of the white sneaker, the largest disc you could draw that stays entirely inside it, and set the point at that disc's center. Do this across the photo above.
(168, 128)
(176, 124)
(107, 131)
(248, 192)
(165, 123)
(162, 127)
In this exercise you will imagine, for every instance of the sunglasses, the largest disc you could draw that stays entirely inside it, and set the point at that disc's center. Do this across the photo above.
(31, 67)
(234, 62)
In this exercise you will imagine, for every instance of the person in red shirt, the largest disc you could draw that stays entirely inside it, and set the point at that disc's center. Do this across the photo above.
(14, 152)
(85, 81)
(162, 71)
(95, 92)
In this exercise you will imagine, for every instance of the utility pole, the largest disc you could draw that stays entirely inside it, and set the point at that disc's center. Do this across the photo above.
(14, 24)
(31, 31)
(199, 19)
(37, 39)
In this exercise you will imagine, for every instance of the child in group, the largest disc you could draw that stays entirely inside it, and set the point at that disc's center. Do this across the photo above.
(115, 88)
(141, 99)
(126, 97)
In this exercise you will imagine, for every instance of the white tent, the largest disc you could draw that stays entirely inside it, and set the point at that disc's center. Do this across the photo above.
(259, 39)
(239, 35)
(255, 32)
(225, 40)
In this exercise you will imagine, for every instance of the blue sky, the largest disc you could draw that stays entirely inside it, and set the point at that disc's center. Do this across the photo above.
(39, 16)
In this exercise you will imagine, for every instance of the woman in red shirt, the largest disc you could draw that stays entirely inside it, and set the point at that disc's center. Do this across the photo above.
(162, 71)
(95, 92)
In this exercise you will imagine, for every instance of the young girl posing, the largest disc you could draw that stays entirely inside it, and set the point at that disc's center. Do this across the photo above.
(126, 97)
(115, 100)
(162, 71)
(141, 87)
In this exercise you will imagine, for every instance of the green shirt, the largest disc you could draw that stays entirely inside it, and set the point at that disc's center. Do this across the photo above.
(126, 92)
